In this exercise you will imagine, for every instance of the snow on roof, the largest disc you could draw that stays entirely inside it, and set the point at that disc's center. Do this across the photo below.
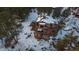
(47, 19)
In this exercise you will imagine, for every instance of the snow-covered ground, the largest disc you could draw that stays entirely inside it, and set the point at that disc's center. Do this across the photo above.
(71, 24)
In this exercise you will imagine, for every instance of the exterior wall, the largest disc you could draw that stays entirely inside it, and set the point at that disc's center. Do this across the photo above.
(47, 30)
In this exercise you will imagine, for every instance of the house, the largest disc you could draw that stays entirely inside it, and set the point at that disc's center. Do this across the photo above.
(44, 27)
